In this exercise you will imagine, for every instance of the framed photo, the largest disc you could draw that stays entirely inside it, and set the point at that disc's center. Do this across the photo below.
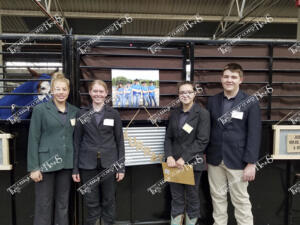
(135, 88)
(4, 152)
(286, 143)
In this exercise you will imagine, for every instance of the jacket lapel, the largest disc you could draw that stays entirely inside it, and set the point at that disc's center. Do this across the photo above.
(236, 101)
(105, 115)
(220, 105)
(238, 98)
(53, 112)
(69, 113)
(176, 122)
(93, 119)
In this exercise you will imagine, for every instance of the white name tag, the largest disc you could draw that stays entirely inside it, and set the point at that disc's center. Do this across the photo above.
(108, 122)
(237, 115)
(187, 128)
(73, 121)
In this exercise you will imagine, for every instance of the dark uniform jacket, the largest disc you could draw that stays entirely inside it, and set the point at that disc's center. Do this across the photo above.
(236, 142)
(104, 140)
(180, 143)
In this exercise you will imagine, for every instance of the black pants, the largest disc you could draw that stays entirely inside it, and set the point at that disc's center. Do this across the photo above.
(55, 186)
(101, 201)
(186, 197)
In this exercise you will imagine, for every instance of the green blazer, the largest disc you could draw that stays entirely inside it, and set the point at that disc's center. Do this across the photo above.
(50, 141)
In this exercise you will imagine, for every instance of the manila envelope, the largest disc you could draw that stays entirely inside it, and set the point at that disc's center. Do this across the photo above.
(175, 175)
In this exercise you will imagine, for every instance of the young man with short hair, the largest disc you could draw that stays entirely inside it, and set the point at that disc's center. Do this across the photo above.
(234, 147)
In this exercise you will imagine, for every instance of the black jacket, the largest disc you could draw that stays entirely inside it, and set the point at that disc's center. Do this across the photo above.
(179, 143)
(237, 142)
(91, 139)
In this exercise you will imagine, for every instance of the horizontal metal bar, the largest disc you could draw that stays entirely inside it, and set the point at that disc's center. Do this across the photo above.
(129, 68)
(284, 58)
(7, 67)
(147, 39)
(11, 93)
(31, 53)
(136, 55)
(286, 70)
(279, 83)
(232, 57)
(195, 40)
(16, 74)
(20, 80)
(137, 45)
(48, 37)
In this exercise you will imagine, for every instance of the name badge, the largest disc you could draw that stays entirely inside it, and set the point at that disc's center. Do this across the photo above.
(237, 115)
(73, 121)
(108, 122)
(187, 128)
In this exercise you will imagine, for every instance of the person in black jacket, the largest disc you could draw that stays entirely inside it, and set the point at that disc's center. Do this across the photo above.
(187, 136)
(234, 146)
(98, 144)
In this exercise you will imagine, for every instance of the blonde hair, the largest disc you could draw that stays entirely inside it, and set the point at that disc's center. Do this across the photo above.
(59, 77)
(100, 82)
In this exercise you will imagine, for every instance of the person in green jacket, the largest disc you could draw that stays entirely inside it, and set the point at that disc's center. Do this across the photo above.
(50, 154)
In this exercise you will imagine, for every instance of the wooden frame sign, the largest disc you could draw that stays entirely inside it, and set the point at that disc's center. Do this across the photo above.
(286, 143)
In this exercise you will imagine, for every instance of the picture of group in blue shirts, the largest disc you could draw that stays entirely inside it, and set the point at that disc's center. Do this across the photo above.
(135, 94)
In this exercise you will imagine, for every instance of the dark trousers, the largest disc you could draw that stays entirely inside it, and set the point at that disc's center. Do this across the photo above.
(101, 201)
(55, 186)
(186, 197)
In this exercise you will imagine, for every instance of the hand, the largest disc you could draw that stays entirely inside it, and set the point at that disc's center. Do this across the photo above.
(180, 163)
(171, 161)
(36, 176)
(76, 178)
(120, 176)
(249, 172)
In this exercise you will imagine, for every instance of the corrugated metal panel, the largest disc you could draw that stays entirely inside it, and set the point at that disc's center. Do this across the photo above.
(152, 137)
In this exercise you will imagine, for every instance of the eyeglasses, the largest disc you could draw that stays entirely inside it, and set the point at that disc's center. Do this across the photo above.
(186, 92)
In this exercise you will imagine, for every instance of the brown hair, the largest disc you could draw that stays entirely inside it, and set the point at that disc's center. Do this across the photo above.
(234, 67)
(100, 82)
(184, 83)
(59, 77)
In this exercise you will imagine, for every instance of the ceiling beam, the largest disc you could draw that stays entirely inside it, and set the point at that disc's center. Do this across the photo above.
(98, 15)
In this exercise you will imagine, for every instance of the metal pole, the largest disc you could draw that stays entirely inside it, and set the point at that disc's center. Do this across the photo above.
(50, 16)
(1, 58)
(298, 25)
